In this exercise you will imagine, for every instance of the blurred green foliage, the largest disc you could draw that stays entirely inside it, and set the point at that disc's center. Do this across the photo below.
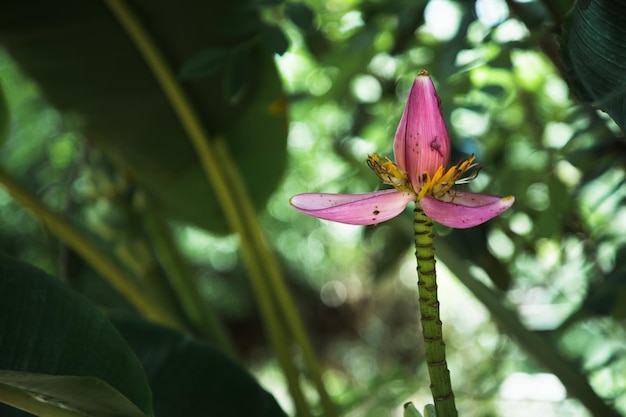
(555, 260)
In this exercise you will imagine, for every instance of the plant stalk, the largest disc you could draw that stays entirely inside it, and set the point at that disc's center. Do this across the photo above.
(118, 277)
(440, 384)
(276, 281)
(204, 320)
(265, 275)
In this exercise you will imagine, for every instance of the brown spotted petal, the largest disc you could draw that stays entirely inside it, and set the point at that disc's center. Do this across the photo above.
(357, 209)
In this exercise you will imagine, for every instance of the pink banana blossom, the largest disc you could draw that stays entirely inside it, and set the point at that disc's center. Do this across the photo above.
(420, 174)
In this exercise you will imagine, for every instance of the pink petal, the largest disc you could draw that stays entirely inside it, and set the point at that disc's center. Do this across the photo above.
(466, 210)
(422, 142)
(357, 209)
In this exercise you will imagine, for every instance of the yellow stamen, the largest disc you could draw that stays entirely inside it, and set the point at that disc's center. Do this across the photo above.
(389, 173)
(439, 184)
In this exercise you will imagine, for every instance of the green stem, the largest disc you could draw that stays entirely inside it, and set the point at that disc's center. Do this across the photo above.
(236, 206)
(203, 319)
(440, 384)
(277, 283)
(67, 233)
(280, 344)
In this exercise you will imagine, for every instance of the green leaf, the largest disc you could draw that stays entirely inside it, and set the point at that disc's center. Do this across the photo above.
(607, 296)
(594, 55)
(4, 117)
(85, 63)
(301, 15)
(46, 328)
(52, 395)
(237, 71)
(189, 378)
(266, 3)
(275, 39)
(204, 63)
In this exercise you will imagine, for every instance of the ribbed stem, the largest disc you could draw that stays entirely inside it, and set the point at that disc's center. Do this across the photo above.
(440, 384)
